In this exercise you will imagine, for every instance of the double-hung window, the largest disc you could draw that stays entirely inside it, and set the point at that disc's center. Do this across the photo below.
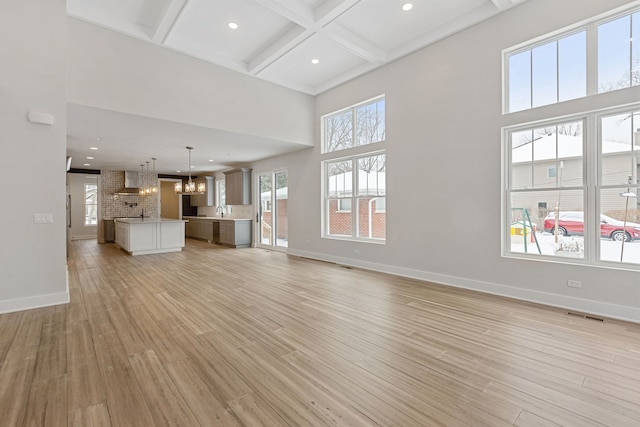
(571, 176)
(354, 178)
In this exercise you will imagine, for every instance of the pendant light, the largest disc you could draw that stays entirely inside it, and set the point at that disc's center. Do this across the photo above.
(147, 187)
(154, 178)
(141, 180)
(190, 186)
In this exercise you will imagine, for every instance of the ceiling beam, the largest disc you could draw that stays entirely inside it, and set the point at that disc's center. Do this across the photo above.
(504, 4)
(293, 10)
(330, 10)
(168, 20)
(355, 44)
(277, 49)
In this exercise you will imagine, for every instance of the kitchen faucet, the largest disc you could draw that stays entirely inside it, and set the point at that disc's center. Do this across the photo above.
(220, 210)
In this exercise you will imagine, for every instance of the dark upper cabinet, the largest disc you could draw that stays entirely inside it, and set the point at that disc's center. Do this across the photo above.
(238, 186)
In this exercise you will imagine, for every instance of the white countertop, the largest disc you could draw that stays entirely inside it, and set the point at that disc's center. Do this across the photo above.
(217, 218)
(147, 220)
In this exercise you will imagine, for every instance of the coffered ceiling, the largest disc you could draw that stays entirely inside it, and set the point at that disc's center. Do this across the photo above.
(306, 45)
(276, 40)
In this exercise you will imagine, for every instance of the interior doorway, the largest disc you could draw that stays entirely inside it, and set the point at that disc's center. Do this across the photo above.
(169, 200)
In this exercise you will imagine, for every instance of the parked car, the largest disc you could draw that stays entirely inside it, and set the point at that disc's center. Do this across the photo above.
(572, 223)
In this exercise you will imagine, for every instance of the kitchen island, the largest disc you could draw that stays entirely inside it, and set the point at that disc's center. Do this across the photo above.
(142, 236)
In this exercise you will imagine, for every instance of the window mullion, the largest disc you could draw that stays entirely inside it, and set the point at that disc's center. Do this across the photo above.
(354, 204)
(592, 59)
(531, 78)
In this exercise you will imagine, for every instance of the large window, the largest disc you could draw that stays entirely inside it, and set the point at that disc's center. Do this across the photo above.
(355, 126)
(90, 204)
(354, 196)
(574, 64)
(222, 197)
(551, 72)
(571, 183)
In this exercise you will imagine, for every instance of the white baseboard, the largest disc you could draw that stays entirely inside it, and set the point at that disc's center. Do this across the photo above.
(84, 236)
(20, 304)
(613, 311)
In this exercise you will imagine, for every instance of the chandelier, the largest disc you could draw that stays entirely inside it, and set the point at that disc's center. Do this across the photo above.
(190, 186)
(151, 188)
(141, 180)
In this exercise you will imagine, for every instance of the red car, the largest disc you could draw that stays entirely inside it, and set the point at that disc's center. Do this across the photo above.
(572, 223)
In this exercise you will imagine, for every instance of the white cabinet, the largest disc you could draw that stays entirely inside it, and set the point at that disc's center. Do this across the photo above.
(152, 236)
(238, 186)
(208, 198)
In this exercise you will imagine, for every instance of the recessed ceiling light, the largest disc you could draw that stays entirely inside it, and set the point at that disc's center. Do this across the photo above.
(90, 158)
(315, 61)
(211, 160)
(407, 7)
(178, 171)
(232, 25)
(99, 138)
(87, 164)
(192, 166)
(93, 148)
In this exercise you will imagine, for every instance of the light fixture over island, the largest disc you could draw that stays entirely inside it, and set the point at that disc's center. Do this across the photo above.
(143, 236)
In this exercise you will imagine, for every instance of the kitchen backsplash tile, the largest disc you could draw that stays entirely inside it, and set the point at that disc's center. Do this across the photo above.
(114, 206)
(236, 211)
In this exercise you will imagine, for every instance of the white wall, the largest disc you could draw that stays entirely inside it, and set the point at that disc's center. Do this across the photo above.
(32, 156)
(116, 72)
(78, 229)
(443, 129)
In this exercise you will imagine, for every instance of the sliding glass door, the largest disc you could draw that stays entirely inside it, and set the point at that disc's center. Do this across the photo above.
(272, 221)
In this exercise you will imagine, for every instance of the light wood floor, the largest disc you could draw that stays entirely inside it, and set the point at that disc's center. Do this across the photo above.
(247, 337)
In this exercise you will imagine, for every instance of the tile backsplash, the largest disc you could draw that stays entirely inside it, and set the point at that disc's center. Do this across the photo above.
(236, 211)
(114, 206)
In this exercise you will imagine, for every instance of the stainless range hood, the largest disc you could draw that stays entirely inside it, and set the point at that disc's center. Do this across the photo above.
(131, 184)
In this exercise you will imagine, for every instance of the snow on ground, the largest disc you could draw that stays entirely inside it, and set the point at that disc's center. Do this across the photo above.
(609, 249)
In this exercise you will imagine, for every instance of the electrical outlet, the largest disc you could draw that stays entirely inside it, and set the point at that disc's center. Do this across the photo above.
(43, 218)
(574, 283)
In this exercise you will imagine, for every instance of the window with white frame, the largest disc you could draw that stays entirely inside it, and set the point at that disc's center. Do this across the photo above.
(344, 205)
(571, 180)
(559, 68)
(353, 188)
(90, 204)
(354, 185)
(359, 125)
(222, 198)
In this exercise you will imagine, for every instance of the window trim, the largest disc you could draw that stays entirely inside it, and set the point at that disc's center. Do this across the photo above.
(325, 199)
(590, 25)
(353, 108)
(592, 170)
(340, 200)
(85, 205)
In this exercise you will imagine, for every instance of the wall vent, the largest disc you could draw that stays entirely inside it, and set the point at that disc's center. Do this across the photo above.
(585, 316)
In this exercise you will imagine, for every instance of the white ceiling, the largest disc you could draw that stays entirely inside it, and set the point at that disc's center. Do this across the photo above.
(275, 41)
